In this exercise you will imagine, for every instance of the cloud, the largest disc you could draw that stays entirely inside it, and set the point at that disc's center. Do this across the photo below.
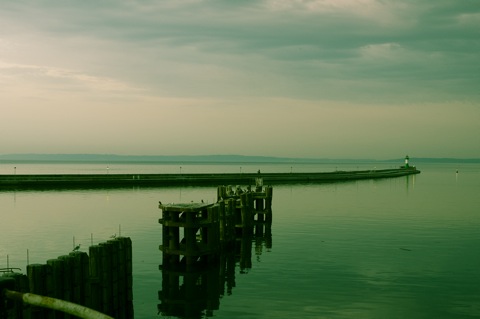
(196, 59)
(74, 79)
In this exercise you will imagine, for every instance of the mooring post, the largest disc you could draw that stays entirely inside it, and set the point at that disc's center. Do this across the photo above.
(96, 274)
(244, 210)
(213, 229)
(127, 241)
(107, 289)
(5, 306)
(114, 251)
(247, 212)
(36, 281)
(67, 277)
(222, 222)
(125, 294)
(190, 239)
(259, 204)
(268, 203)
(221, 193)
(230, 212)
(21, 284)
(79, 278)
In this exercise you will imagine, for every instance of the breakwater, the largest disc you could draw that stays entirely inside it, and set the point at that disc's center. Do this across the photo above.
(55, 181)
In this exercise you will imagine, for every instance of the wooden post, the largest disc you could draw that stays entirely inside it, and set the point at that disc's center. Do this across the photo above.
(56, 282)
(106, 284)
(268, 203)
(96, 277)
(6, 283)
(246, 212)
(79, 261)
(125, 278)
(36, 280)
(231, 218)
(190, 239)
(221, 193)
(16, 308)
(259, 204)
(129, 279)
(114, 255)
(222, 223)
(68, 280)
(213, 231)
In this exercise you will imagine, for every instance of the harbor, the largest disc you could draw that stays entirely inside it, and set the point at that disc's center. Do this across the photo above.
(357, 246)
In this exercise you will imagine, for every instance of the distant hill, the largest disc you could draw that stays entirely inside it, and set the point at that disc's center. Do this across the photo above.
(112, 158)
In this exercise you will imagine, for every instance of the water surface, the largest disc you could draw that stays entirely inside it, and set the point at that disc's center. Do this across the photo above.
(394, 248)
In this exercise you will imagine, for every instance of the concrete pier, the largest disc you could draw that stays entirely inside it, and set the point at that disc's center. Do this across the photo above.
(58, 181)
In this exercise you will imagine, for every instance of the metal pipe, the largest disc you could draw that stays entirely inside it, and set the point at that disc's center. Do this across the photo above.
(56, 304)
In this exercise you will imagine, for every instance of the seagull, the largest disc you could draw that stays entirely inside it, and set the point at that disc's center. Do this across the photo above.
(76, 248)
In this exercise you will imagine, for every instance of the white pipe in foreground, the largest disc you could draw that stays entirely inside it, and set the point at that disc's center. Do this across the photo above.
(56, 304)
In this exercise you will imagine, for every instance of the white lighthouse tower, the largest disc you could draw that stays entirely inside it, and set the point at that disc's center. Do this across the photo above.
(406, 161)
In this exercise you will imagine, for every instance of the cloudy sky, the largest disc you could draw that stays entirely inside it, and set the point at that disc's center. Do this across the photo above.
(291, 78)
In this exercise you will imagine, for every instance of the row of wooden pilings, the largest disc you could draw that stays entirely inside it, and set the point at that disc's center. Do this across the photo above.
(202, 244)
(208, 228)
(101, 280)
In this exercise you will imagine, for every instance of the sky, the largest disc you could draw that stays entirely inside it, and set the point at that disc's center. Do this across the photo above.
(373, 79)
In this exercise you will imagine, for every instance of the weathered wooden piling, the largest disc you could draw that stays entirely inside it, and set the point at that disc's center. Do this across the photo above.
(56, 282)
(101, 281)
(96, 277)
(38, 285)
(14, 309)
(6, 307)
(199, 223)
(197, 236)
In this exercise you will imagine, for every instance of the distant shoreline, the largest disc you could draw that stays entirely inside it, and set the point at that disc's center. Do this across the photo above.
(203, 159)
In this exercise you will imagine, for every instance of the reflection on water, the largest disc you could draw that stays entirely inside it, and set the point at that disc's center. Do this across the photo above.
(195, 291)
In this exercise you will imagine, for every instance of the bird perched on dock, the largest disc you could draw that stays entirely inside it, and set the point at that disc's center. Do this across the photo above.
(76, 248)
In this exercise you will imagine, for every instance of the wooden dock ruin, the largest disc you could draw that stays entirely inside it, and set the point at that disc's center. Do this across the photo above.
(101, 280)
(196, 232)
(202, 242)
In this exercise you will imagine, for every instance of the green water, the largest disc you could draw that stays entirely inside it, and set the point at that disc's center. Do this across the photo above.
(397, 248)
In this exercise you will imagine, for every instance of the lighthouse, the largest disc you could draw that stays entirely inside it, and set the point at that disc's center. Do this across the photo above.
(406, 161)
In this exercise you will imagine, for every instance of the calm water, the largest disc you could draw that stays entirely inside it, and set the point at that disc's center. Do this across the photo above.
(396, 248)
